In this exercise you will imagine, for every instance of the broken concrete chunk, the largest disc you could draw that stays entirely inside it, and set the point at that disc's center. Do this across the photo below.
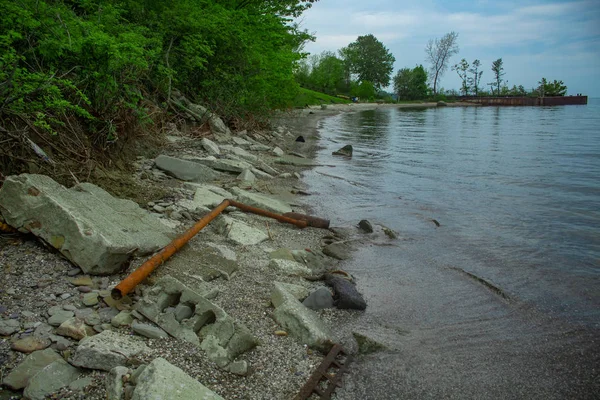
(107, 350)
(114, 383)
(205, 197)
(301, 323)
(185, 170)
(162, 380)
(31, 365)
(48, 380)
(86, 224)
(232, 166)
(246, 176)
(217, 126)
(261, 201)
(278, 152)
(149, 331)
(239, 232)
(345, 151)
(225, 338)
(75, 328)
(299, 292)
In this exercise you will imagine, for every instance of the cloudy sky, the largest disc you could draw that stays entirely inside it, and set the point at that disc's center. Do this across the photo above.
(553, 39)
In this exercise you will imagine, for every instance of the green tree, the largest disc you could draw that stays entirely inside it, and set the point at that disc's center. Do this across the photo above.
(439, 52)
(411, 84)
(554, 88)
(370, 60)
(364, 90)
(462, 69)
(498, 70)
(475, 77)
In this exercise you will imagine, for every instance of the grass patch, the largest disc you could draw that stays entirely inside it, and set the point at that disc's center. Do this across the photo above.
(308, 97)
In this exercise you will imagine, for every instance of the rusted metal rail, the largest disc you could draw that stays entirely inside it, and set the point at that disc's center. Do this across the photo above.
(313, 385)
(141, 273)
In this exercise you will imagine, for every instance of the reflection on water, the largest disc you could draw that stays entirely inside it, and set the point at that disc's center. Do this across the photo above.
(517, 192)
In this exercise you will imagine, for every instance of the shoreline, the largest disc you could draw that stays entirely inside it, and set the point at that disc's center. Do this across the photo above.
(37, 280)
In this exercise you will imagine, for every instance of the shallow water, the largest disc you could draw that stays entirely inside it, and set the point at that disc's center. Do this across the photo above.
(517, 193)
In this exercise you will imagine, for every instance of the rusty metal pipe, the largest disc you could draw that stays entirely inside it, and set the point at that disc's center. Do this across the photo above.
(137, 276)
(265, 213)
(315, 222)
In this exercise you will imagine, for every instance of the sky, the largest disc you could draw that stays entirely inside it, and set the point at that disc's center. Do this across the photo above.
(552, 39)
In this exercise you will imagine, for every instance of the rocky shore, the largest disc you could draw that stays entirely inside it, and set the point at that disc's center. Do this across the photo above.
(232, 314)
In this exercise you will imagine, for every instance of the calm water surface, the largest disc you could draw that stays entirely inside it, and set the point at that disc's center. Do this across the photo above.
(517, 193)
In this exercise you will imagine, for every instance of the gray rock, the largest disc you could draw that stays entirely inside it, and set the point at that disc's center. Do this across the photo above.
(345, 294)
(182, 312)
(114, 383)
(261, 201)
(366, 226)
(107, 350)
(299, 292)
(344, 151)
(148, 330)
(81, 384)
(74, 328)
(259, 147)
(185, 170)
(136, 374)
(240, 141)
(90, 299)
(222, 337)
(210, 146)
(123, 318)
(54, 376)
(292, 160)
(162, 380)
(338, 250)
(54, 309)
(30, 344)
(93, 319)
(60, 316)
(31, 365)
(278, 152)
(86, 224)
(246, 176)
(239, 368)
(217, 126)
(243, 154)
(239, 232)
(319, 299)
(301, 323)
(267, 168)
(9, 326)
(231, 166)
(289, 267)
(366, 344)
(260, 174)
(205, 196)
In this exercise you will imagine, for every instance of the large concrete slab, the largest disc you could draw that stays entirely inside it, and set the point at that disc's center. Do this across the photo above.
(224, 165)
(185, 170)
(261, 201)
(94, 230)
(162, 380)
(238, 232)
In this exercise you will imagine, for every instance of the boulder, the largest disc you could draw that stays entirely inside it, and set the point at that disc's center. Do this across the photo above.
(185, 170)
(338, 250)
(48, 380)
(319, 299)
(261, 201)
(300, 322)
(239, 232)
(29, 344)
(345, 151)
(217, 126)
(94, 230)
(162, 380)
(107, 350)
(75, 328)
(218, 334)
(211, 147)
(31, 365)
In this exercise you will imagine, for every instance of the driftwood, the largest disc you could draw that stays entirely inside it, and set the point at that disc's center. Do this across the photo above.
(345, 294)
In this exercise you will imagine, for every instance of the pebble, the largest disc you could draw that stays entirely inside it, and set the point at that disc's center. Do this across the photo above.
(54, 309)
(83, 280)
(158, 209)
(27, 314)
(73, 272)
(59, 317)
(84, 289)
(11, 291)
(90, 299)
(69, 307)
(9, 326)
(124, 318)
(65, 296)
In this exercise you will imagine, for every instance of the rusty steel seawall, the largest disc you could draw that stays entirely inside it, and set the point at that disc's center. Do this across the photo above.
(527, 101)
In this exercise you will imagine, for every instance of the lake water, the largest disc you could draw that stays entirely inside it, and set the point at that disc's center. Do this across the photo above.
(516, 191)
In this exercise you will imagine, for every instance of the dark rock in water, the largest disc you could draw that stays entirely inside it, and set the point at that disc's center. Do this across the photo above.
(300, 139)
(319, 299)
(367, 345)
(366, 226)
(345, 294)
(344, 151)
